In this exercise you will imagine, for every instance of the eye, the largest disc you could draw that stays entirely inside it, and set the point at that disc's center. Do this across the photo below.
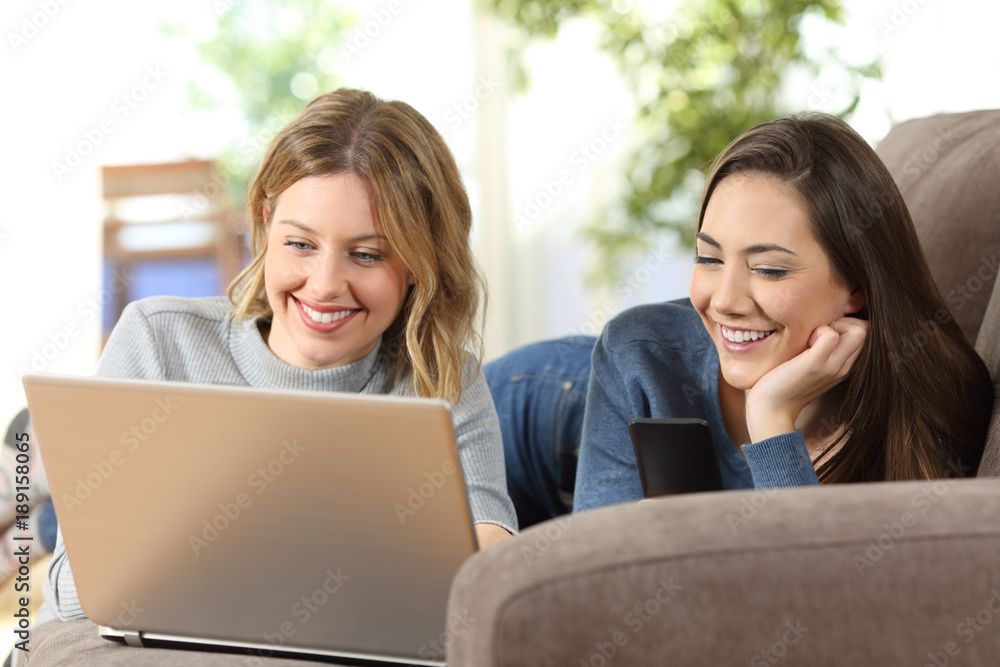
(771, 274)
(704, 259)
(298, 245)
(368, 257)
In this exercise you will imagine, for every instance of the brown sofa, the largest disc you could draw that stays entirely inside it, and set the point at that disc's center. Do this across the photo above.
(875, 574)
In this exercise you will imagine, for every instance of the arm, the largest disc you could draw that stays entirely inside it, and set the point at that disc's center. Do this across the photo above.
(780, 461)
(607, 471)
(488, 534)
(778, 455)
(480, 449)
(775, 402)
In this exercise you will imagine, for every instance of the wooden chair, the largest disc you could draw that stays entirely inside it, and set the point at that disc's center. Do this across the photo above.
(192, 219)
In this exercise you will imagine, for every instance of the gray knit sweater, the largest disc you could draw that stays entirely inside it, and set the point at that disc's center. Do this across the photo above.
(197, 340)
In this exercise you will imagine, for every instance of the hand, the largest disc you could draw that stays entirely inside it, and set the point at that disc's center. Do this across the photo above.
(775, 401)
(488, 534)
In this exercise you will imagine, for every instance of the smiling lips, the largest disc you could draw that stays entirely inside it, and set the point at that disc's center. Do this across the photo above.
(743, 335)
(326, 320)
(742, 340)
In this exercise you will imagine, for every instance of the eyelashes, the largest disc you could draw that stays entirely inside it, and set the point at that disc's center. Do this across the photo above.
(771, 274)
(362, 256)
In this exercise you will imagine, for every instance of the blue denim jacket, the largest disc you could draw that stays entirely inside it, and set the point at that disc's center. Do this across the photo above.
(657, 360)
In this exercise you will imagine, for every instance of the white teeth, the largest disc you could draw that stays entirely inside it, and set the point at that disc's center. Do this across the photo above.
(325, 318)
(744, 336)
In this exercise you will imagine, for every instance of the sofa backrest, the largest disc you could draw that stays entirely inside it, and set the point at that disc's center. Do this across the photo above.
(947, 168)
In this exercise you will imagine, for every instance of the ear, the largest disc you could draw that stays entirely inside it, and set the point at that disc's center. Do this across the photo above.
(410, 280)
(855, 301)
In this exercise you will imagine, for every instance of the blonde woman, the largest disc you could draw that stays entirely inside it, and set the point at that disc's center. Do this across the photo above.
(362, 280)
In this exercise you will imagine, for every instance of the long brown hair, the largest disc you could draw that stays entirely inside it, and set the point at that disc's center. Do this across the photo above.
(918, 397)
(424, 211)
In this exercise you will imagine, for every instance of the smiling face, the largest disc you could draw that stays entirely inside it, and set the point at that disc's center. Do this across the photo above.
(762, 283)
(330, 276)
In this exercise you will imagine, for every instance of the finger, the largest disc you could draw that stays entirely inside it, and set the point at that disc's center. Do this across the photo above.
(845, 324)
(818, 333)
(849, 346)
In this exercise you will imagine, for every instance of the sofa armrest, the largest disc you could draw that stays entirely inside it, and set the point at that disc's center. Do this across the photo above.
(879, 574)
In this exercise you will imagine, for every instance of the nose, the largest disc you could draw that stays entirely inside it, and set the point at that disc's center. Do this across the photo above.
(731, 295)
(330, 278)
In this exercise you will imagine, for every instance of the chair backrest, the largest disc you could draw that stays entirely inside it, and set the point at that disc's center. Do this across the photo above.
(948, 170)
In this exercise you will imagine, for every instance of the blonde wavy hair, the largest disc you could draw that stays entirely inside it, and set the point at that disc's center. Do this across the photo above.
(424, 211)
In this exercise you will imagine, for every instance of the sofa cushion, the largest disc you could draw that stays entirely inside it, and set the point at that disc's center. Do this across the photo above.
(885, 574)
(948, 169)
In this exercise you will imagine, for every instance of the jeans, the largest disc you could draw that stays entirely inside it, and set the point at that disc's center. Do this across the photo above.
(540, 391)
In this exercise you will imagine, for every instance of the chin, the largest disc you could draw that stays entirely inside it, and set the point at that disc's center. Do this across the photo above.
(740, 380)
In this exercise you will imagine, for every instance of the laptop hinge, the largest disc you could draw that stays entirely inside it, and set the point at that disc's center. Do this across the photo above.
(132, 638)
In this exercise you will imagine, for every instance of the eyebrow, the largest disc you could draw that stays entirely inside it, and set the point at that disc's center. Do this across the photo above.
(749, 250)
(309, 230)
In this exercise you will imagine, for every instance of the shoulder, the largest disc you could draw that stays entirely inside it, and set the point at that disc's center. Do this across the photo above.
(176, 308)
(670, 325)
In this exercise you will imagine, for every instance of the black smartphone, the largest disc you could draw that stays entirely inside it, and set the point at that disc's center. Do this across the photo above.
(674, 456)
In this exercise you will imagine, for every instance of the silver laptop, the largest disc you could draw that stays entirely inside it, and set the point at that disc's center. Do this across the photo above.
(267, 521)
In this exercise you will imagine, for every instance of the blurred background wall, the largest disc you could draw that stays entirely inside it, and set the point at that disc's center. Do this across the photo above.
(542, 128)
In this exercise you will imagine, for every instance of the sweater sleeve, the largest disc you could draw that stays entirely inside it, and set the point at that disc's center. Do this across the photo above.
(780, 461)
(130, 352)
(607, 472)
(480, 450)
